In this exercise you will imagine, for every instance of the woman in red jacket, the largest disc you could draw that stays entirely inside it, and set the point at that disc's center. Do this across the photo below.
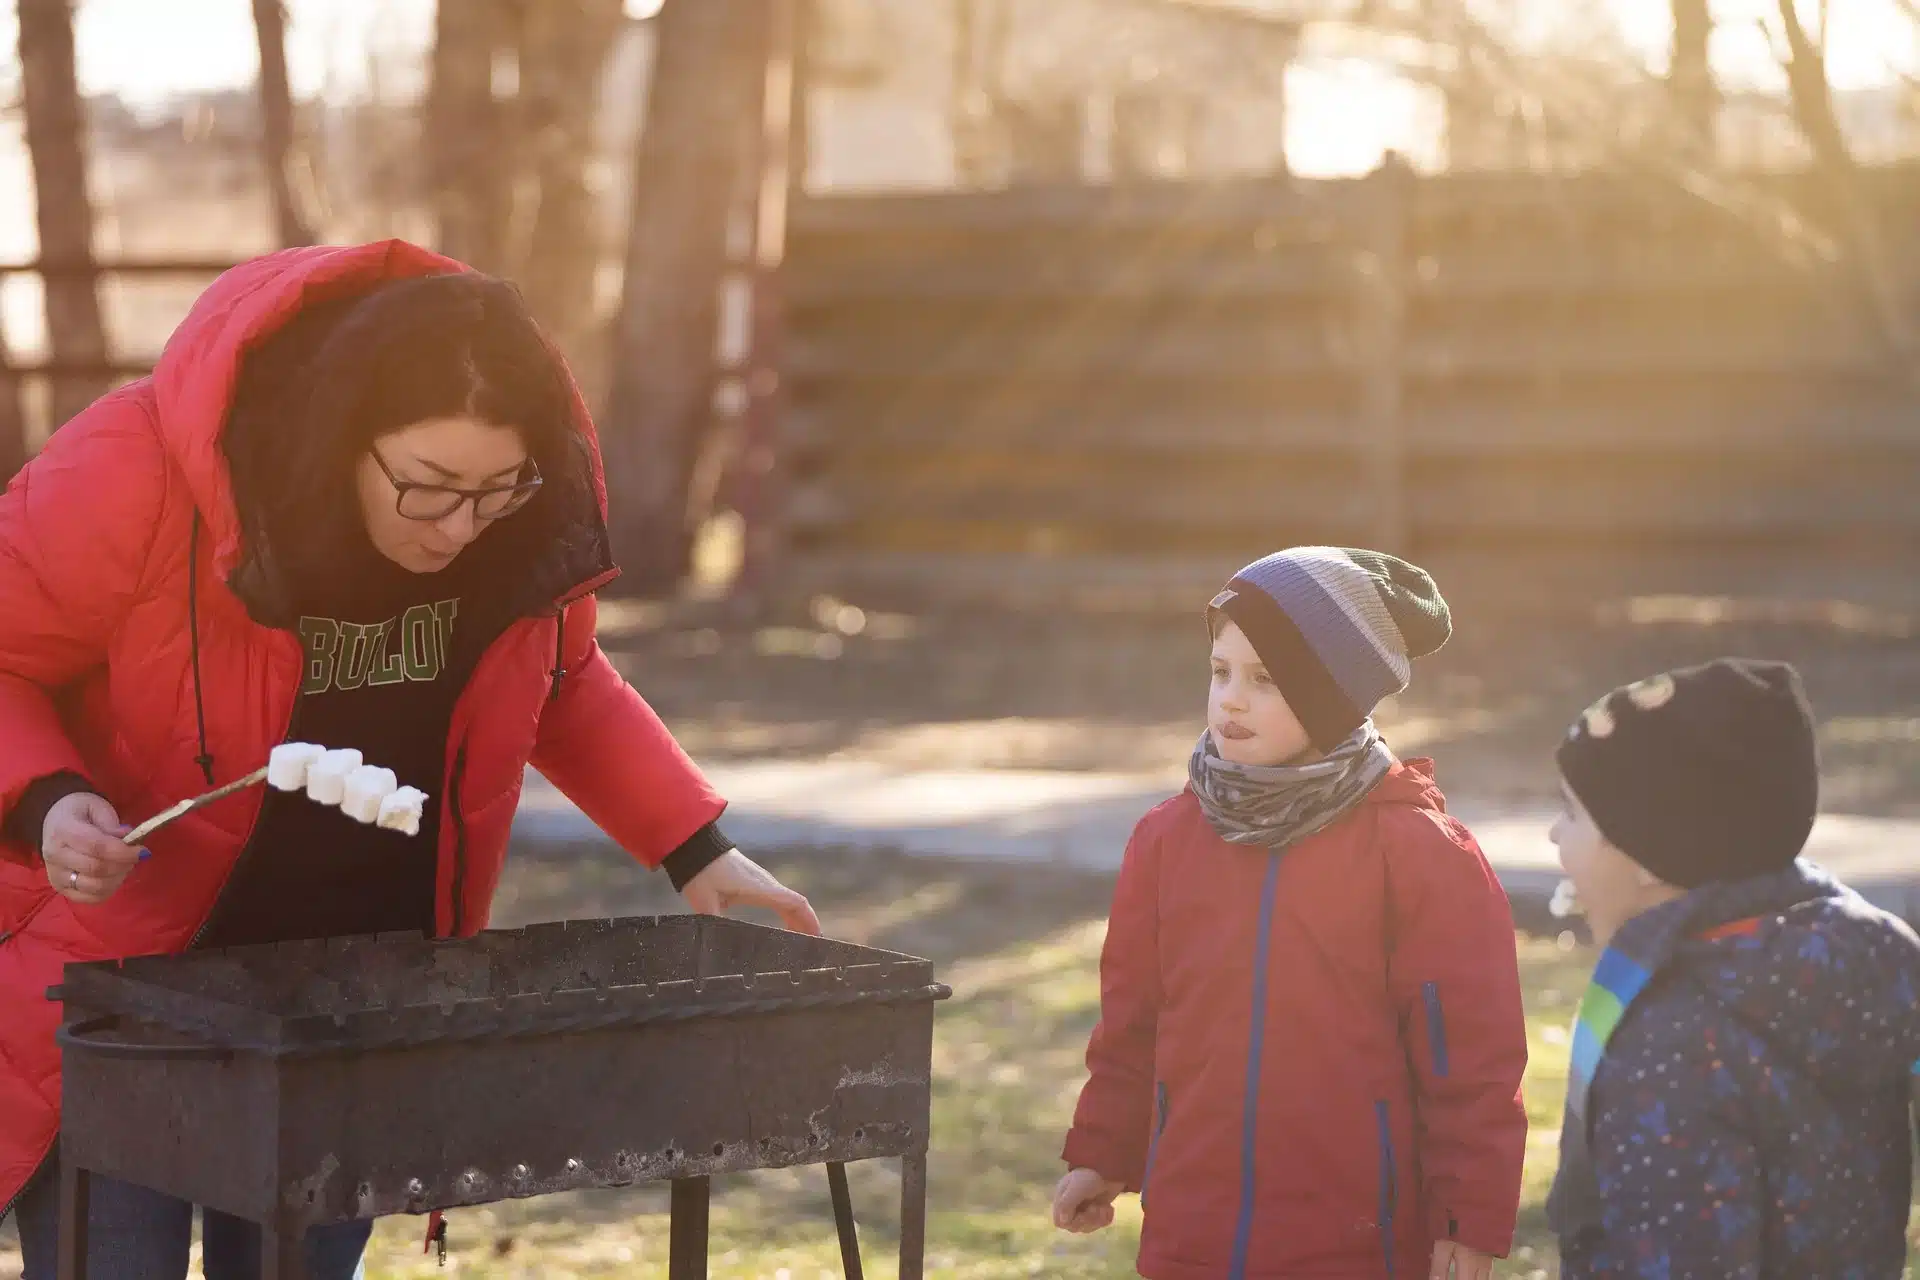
(358, 503)
(1310, 1043)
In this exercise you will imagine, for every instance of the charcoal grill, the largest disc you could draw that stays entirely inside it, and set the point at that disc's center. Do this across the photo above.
(315, 1082)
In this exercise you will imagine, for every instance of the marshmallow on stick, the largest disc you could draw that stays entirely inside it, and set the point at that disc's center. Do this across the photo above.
(288, 763)
(324, 775)
(327, 777)
(401, 810)
(366, 788)
(366, 793)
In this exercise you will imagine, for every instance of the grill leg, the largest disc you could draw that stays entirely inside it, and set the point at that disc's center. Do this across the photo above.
(687, 1229)
(76, 1188)
(843, 1220)
(913, 1215)
(282, 1255)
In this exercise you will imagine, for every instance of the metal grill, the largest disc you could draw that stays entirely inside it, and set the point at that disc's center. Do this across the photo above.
(316, 1082)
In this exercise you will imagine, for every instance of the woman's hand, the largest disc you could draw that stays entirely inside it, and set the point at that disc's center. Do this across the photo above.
(81, 848)
(1083, 1201)
(733, 880)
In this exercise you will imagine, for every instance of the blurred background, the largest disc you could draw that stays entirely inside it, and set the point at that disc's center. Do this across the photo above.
(947, 354)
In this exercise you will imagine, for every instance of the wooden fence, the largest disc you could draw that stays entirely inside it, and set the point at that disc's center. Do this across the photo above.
(1466, 363)
(1047, 379)
(51, 372)
(117, 365)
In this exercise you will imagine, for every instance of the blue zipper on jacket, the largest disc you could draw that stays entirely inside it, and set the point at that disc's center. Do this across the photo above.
(1436, 1027)
(1250, 1106)
(1389, 1183)
(1153, 1143)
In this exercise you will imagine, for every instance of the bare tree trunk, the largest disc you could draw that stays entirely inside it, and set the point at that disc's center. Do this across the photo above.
(56, 140)
(276, 123)
(706, 89)
(468, 134)
(13, 418)
(1691, 93)
(967, 104)
(780, 158)
(564, 53)
(1812, 97)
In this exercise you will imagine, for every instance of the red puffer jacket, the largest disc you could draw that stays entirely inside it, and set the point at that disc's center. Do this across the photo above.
(97, 676)
(1309, 1064)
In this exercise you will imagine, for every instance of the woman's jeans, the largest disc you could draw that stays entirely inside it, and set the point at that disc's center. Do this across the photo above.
(137, 1234)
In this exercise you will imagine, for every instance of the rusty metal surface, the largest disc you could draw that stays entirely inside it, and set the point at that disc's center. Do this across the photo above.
(308, 1113)
(360, 994)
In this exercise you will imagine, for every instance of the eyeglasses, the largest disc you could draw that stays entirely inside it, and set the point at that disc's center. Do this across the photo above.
(438, 501)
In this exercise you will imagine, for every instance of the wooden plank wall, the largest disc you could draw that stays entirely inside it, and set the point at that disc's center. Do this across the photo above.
(1494, 364)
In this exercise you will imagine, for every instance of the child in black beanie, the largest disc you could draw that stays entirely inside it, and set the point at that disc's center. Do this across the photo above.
(1738, 1097)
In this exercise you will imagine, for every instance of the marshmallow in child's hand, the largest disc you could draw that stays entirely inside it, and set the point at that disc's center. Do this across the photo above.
(287, 764)
(366, 789)
(327, 777)
(401, 810)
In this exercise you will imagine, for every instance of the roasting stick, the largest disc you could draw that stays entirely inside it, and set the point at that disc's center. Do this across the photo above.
(185, 807)
(340, 779)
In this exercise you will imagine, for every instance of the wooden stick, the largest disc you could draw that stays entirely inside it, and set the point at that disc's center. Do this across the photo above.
(185, 807)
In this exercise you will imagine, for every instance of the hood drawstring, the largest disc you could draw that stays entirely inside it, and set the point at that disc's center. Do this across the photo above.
(559, 671)
(205, 758)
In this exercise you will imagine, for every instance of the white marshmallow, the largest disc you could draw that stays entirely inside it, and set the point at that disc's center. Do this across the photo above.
(327, 778)
(366, 788)
(400, 811)
(287, 764)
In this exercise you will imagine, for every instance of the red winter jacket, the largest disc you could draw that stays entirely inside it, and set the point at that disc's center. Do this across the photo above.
(96, 677)
(1309, 1064)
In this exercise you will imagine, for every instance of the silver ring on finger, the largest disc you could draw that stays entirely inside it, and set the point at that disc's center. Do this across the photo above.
(73, 879)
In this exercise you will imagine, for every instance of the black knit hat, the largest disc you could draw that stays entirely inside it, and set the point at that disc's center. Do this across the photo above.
(1700, 774)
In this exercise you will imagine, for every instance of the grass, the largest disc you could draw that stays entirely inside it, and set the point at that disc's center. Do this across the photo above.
(1020, 950)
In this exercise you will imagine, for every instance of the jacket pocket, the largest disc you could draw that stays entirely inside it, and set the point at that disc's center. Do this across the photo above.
(1389, 1181)
(1153, 1143)
(1436, 1027)
(19, 927)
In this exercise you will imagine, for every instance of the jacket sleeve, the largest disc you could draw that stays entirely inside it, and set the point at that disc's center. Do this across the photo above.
(76, 529)
(606, 749)
(1698, 1209)
(1454, 975)
(1113, 1121)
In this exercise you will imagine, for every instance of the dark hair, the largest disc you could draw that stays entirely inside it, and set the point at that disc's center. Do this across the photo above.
(315, 396)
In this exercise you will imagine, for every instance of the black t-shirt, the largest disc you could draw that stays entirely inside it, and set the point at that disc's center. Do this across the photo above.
(387, 655)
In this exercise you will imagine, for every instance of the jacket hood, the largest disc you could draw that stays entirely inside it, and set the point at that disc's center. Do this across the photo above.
(1809, 967)
(195, 378)
(1409, 782)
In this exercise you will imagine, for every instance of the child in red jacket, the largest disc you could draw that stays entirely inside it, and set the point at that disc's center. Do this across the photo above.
(1310, 1043)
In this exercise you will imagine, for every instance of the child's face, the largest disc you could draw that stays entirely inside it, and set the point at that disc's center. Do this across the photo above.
(1612, 887)
(1249, 720)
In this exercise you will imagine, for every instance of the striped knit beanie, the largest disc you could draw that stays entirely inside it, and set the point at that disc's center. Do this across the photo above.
(1337, 629)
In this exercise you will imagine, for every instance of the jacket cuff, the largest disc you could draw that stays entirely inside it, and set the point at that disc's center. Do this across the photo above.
(1085, 1150)
(698, 852)
(28, 819)
(1487, 1233)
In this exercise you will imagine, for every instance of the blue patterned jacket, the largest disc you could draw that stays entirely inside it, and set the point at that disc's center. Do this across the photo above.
(1746, 1111)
